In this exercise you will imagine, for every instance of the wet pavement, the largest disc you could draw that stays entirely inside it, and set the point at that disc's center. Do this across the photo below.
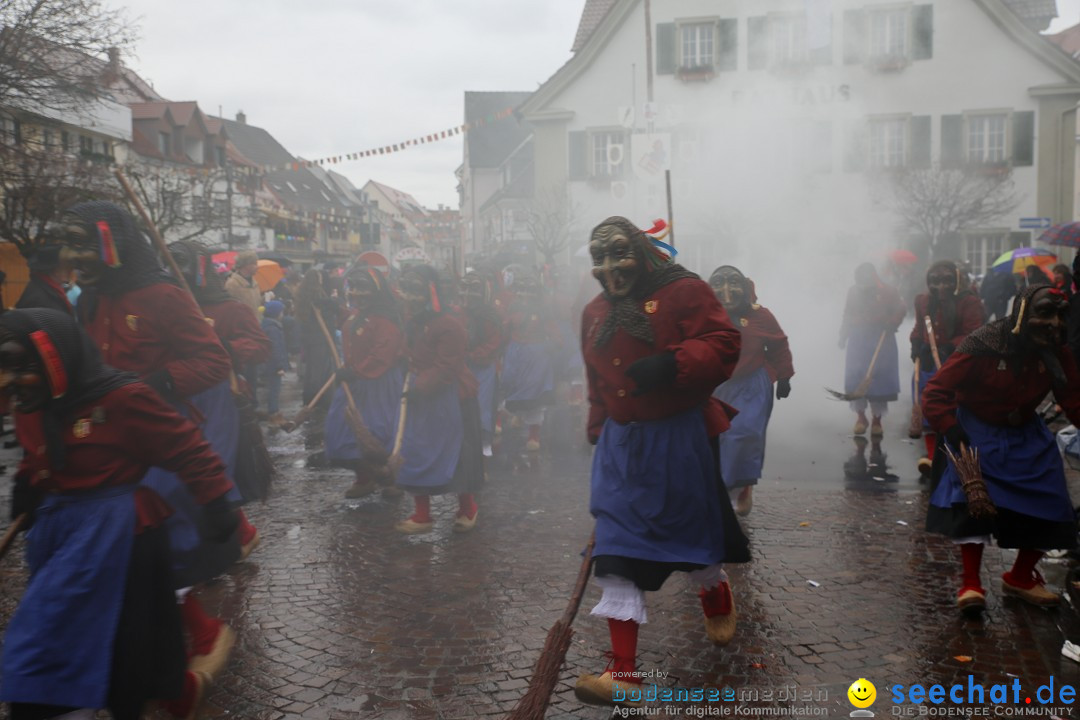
(340, 617)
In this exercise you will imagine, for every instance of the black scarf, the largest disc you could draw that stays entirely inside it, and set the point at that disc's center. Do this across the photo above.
(998, 339)
(87, 378)
(139, 264)
(627, 312)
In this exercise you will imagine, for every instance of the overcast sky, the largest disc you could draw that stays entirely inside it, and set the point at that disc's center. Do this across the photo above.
(329, 77)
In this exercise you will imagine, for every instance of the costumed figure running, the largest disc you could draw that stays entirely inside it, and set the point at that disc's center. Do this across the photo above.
(872, 314)
(374, 368)
(656, 343)
(765, 359)
(954, 312)
(98, 625)
(985, 397)
(141, 321)
(440, 445)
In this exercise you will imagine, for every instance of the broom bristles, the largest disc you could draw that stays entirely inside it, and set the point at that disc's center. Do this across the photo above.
(534, 704)
(967, 467)
(846, 397)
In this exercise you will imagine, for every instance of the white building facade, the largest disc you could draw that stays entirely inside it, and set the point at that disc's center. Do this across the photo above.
(782, 120)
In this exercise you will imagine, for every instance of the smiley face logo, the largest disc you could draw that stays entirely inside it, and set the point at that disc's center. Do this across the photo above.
(862, 693)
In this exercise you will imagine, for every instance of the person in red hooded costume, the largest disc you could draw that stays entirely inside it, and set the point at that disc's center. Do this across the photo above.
(656, 343)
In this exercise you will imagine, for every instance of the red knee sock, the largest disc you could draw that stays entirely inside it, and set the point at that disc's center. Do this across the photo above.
(534, 433)
(623, 647)
(247, 530)
(423, 509)
(716, 601)
(1023, 570)
(466, 505)
(931, 442)
(971, 554)
(202, 628)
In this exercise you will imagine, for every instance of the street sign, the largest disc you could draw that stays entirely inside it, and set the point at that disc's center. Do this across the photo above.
(1039, 223)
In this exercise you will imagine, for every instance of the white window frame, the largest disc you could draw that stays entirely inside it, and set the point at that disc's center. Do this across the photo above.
(601, 153)
(983, 247)
(878, 54)
(787, 39)
(971, 119)
(704, 29)
(885, 158)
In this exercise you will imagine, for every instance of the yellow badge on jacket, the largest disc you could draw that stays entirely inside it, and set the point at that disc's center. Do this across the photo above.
(132, 322)
(651, 306)
(81, 428)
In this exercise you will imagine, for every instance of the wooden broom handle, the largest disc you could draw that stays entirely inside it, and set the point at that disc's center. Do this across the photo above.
(13, 530)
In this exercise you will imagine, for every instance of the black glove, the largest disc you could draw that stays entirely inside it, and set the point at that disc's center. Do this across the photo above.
(783, 388)
(219, 520)
(162, 383)
(653, 372)
(916, 348)
(345, 374)
(956, 435)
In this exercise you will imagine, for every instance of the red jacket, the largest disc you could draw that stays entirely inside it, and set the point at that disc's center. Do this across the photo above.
(238, 329)
(160, 327)
(437, 358)
(532, 326)
(372, 345)
(136, 430)
(763, 343)
(686, 319)
(485, 349)
(970, 316)
(990, 388)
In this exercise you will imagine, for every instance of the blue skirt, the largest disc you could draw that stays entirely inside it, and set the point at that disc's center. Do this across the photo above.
(431, 446)
(487, 380)
(654, 492)
(527, 375)
(885, 380)
(742, 447)
(379, 402)
(924, 378)
(1021, 466)
(221, 428)
(58, 648)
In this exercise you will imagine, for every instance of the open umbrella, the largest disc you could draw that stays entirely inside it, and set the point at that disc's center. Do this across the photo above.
(227, 258)
(903, 257)
(1014, 261)
(268, 275)
(1067, 235)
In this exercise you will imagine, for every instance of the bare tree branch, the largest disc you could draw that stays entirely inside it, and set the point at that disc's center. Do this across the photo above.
(179, 201)
(939, 202)
(549, 219)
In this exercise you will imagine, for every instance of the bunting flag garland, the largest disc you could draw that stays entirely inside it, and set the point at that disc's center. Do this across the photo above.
(396, 147)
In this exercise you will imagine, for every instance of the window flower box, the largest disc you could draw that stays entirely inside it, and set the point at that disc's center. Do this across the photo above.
(699, 73)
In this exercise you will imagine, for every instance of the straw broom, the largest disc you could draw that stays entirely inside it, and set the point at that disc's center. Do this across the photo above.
(915, 426)
(534, 703)
(305, 412)
(966, 462)
(864, 386)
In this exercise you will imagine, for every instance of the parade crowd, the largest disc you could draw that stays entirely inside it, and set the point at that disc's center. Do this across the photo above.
(140, 410)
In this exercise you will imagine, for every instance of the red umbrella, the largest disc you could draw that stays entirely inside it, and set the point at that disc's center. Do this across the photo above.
(227, 258)
(903, 257)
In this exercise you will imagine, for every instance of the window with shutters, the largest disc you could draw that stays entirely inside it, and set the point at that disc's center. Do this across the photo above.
(987, 138)
(890, 37)
(607, 153)
(697, 42)
(982, 249)
(889, 142)
(787, 40)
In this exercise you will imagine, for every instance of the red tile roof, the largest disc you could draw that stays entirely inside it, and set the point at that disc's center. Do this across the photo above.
(591, 17)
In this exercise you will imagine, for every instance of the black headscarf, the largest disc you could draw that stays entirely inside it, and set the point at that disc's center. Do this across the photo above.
(657, 270)
(71, 364)
(139, 264)
(1005, 337)
(948, 307)
(434, 308)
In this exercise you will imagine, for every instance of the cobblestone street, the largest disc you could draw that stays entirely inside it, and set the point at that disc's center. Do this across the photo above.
(340, 617)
